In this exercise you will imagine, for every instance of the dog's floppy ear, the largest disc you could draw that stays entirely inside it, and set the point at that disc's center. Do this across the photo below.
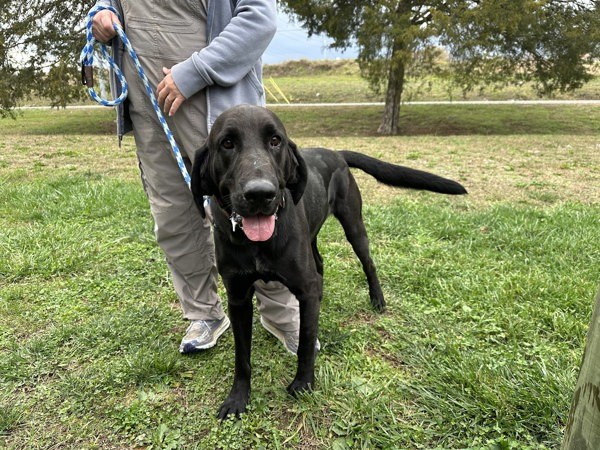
(298, 173)
(201, 184)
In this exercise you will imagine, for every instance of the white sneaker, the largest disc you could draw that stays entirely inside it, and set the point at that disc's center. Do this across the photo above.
(203, 334)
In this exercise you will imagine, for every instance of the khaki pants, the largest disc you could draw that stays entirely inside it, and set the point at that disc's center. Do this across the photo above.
(164, 33)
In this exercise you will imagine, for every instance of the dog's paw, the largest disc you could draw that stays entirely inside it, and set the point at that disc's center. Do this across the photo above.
(299, 386)
(378, 303)
(232, 407)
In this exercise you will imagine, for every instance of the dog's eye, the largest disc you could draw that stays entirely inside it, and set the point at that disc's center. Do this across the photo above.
(275, 141)
(227, 144)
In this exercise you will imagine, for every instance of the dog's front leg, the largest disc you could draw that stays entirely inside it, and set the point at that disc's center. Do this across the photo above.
(309, 324)
(239, 295)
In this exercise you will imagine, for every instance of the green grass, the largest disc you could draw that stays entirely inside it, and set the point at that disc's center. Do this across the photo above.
(333, 81)
(416, 120)
(444, 120)
(489, 295)
(340, 81)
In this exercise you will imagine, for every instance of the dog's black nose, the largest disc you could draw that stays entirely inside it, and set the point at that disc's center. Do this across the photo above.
(259, 191)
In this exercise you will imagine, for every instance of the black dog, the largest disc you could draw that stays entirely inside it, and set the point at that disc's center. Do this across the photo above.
(269, 202)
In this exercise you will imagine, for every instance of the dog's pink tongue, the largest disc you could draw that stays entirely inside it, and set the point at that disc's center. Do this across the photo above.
(259, 228)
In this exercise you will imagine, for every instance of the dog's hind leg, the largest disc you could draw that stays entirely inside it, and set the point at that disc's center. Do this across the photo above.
(348, 210)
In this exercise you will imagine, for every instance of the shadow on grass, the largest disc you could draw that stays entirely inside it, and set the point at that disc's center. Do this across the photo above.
(416, 120)
(444, 120)
(92, 121)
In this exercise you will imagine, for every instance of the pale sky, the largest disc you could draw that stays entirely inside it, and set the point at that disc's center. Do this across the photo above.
(291, 43)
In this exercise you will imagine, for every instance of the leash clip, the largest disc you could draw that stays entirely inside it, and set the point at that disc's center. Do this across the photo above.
(87, 75)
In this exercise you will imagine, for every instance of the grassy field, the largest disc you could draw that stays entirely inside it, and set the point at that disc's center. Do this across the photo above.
(340, 81)
(489, 295)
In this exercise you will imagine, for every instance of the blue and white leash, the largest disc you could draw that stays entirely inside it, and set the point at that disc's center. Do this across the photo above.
(87, 58)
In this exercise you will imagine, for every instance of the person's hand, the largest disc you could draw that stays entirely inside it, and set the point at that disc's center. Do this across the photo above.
(102, 25)
(168, 94)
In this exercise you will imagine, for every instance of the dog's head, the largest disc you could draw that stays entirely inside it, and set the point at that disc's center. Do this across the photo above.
(247, 164)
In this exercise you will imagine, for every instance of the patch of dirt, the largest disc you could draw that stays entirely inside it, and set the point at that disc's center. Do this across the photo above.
(536, 170)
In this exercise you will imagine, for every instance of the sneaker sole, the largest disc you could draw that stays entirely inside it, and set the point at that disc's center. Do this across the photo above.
(191, 348)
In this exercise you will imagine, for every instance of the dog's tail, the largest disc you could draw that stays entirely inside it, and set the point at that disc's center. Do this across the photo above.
(400, 176)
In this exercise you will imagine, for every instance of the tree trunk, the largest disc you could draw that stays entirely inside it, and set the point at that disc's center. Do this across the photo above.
(583, 427)
(390, 122)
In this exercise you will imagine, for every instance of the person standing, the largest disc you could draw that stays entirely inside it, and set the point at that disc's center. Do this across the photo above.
(201, 57)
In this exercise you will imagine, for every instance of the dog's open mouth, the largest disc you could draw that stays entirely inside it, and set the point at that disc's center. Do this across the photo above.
(259, 228)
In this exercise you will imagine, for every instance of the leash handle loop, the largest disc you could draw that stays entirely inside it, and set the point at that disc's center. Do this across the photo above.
(87, 59)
